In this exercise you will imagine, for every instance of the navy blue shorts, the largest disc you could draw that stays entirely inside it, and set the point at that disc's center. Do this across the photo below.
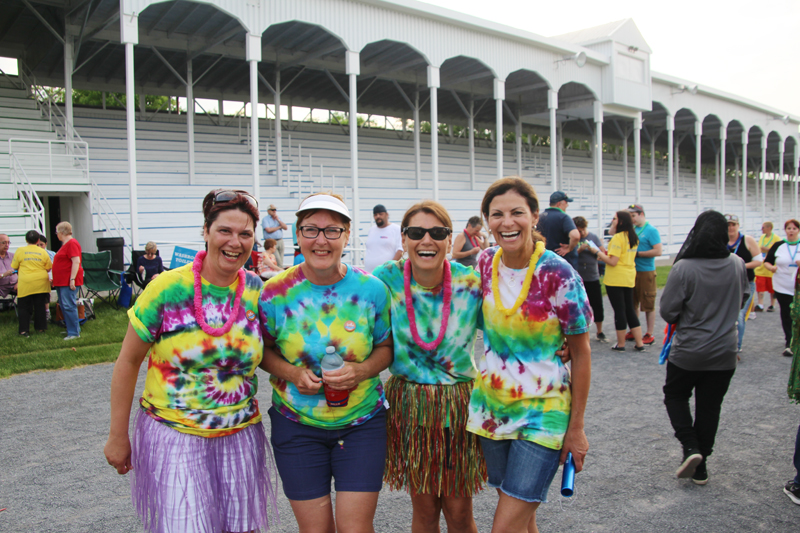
(308, 457)
(521, 469)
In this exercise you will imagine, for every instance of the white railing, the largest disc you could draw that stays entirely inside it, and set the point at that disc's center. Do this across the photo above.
(111, 221)
(73, 154)
(48, 107)
(31, 203)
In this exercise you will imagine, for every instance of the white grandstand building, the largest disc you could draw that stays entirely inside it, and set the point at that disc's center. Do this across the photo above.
(499, 95)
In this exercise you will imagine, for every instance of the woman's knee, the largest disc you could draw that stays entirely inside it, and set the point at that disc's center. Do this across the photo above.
(458, 514)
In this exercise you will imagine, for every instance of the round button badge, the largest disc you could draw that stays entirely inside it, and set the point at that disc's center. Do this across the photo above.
(251, 316)
(350, 326)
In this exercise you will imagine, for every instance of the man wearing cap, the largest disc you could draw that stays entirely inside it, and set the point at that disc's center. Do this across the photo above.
(764, 276)
(273, 229)
(745, 247)
(559, 228)
(384, 242)
(644, 292)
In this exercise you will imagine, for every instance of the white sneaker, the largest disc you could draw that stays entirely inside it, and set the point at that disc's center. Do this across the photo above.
(752, 315)
(71, 337)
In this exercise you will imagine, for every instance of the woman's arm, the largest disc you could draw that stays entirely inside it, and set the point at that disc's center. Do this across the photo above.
(354, 373)
(769, 260)
(458, 244)
(303, 378)
(76, 264)
(575, 439)
(123, 385)
(752, 247)
(610, 260)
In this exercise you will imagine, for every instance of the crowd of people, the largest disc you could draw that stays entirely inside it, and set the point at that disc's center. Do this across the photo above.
(449, 422)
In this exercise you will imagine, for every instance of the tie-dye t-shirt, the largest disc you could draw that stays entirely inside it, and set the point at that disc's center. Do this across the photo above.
(197, 383)
(303, 319)
(451, 362)
(523, 388)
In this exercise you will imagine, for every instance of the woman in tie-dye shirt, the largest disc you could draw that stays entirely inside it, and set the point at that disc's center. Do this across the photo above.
(199, 453)
(320, 304)
(431, 454)
(527, 406)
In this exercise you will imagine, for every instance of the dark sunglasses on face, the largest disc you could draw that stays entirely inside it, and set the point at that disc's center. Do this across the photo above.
(437, 233)
(312, 232)
(228, 196)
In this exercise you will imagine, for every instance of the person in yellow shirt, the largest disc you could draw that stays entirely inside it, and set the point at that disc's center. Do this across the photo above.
(33, 263)
(764, 276)
(620, 278)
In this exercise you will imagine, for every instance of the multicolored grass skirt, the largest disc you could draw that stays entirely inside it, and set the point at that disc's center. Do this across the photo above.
(186, 483)
(429, 448)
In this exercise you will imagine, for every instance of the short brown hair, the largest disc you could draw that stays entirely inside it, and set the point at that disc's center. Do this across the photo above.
(580, 222)
(270, 243)
(791, 221)
(521, 187)
(430, 207)
(302, 215)
(212, 209)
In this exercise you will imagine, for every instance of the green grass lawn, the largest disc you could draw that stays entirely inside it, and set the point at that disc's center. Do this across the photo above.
(100, 342)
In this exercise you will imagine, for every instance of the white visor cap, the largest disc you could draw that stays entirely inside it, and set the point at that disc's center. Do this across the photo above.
(324, 201)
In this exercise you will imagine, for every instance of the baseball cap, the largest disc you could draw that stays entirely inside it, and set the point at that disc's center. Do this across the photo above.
(559, 196)
(323, 201)
(635, 208)
(732, 218)
(378, 209)
(271, 207)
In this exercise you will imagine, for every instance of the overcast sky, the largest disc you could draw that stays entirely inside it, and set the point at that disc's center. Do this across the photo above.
(748, 48)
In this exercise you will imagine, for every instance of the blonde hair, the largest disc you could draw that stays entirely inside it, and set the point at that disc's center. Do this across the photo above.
(150, 246)
(64, 228)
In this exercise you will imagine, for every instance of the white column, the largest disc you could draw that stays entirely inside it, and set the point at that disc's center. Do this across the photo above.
(780, 180)
(625, 165)
(471, 128)
(253, 56)
(763, 177)
(279, 132)
(698, 143)
(69, 66)
(652, 165)
(795, 181)
(723, 136)
(499, 96)
(670, 148)
(518, 138)
(433, 84)
(559, 151)
(417, 150)
(190, 118)
(552, 105)
(598, 161)
(744, 179)
(129, 34)
(353, 66)
(637, 155)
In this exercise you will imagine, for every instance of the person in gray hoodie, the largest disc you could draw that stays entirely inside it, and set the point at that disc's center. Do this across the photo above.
(706, 288)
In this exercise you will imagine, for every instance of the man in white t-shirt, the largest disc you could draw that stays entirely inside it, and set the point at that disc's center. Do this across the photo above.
(384, 242)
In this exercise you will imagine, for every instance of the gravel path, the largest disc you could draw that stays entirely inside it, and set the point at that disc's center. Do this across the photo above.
(53, 476)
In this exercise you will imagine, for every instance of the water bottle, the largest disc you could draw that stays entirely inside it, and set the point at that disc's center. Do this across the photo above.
(568, 477)
(333, 361)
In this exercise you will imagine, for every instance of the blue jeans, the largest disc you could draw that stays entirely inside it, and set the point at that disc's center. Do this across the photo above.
(743, 313)
(67, 299)
(521, 469)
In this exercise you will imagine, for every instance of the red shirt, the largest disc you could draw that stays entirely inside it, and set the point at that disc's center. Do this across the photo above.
(62, 264)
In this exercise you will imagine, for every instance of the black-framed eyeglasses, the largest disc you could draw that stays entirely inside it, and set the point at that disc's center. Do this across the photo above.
(312, 232)
(437, 233)
(225, 195)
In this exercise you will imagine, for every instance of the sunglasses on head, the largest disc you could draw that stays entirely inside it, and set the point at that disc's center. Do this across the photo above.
(437, 233)
(220, 197)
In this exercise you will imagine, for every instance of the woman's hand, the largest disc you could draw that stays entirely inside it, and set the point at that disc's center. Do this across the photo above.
(346, 378)
(118, 454)
(307, 382)
(575, 441)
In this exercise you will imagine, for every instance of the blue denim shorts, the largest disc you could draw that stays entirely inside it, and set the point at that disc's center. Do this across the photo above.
(520, 468)
(308, 457)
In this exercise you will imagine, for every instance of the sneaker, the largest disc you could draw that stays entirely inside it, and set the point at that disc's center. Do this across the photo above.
(759, 308)
(771, 309)
(691, 458)
(618, 348)
(26, 334)
(71, 337)
(641, 348)
(792, 490)
(602, 337)
(700, 476)
(752, 315)
(629, 336)
(648, 339)
(787, 352)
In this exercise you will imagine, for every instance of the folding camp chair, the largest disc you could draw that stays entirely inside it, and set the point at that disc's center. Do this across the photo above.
(99, 277)
(9, 302)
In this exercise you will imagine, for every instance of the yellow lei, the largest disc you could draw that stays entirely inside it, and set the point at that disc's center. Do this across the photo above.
(526, 285)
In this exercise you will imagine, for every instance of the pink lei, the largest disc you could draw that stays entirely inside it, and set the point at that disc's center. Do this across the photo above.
(199, 313)
(448, 292)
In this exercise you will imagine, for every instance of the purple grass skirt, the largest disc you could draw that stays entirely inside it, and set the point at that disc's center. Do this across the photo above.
(186, 483)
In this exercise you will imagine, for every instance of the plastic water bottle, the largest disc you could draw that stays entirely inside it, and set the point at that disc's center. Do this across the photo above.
(333, 361)
(568, 477)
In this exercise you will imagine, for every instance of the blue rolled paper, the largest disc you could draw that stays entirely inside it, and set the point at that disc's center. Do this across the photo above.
(568, 479)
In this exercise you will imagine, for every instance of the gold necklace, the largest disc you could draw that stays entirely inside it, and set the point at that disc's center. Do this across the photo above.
(526, 285)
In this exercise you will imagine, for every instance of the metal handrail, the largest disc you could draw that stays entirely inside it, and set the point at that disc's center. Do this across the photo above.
(31, 203)
(44, 101)
(77, 151)
(111, 220)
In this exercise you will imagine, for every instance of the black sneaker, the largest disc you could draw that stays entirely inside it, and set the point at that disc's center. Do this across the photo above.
(700, 476)
(771, 309)
(792, 490)
(691, 458)
(602, 337)
(758, 308)
(787, 352)
(641, 348)
(618, 348)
